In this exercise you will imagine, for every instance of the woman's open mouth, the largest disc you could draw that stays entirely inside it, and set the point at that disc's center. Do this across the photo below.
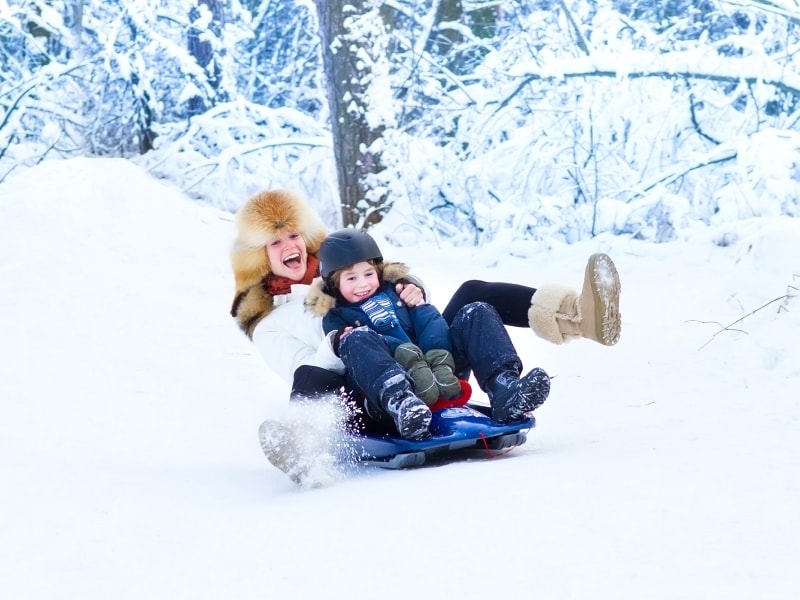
(293, 261)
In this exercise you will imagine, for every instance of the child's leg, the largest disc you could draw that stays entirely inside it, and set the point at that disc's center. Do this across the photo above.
(481, 343)
(389, 396)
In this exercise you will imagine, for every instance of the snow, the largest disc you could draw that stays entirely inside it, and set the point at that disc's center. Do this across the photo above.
(667, 466)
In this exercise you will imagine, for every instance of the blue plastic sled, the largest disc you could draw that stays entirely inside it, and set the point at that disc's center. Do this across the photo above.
(458, 432)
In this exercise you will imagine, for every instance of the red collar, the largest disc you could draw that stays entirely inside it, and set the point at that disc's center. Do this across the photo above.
(276, 285)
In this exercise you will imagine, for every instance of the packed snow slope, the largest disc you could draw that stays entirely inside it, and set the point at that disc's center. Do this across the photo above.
(667, 466)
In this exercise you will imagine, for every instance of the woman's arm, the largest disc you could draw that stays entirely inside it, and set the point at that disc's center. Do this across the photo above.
(289, 337)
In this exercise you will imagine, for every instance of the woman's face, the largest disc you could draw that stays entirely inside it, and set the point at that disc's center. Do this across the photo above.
(358, 282)
(288, 256)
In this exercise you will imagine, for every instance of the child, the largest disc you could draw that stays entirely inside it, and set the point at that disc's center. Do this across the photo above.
(416, 338)
(480, 343)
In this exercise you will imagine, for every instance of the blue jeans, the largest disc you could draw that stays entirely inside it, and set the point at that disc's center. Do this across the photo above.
(481, 344)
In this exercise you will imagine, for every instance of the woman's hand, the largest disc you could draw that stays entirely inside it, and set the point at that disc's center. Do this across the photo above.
(410, 294)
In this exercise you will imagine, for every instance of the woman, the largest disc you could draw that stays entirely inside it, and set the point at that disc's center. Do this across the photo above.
(274, 260)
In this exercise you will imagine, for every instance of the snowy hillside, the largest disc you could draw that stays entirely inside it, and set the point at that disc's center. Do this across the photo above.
(665, 467)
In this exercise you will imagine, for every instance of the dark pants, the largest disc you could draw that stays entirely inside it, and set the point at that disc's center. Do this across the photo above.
(481, 344)
(511, 301)
(315, 383)
(370, 364)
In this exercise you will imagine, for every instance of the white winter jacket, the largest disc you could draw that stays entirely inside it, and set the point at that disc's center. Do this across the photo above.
(289, 337)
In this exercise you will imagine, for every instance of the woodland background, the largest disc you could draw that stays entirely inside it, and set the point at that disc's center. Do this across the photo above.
(465, 120)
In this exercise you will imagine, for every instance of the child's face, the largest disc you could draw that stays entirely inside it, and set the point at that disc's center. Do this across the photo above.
(358, 282)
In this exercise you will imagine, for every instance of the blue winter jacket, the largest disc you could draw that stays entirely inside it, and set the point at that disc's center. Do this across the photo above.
(422, 325)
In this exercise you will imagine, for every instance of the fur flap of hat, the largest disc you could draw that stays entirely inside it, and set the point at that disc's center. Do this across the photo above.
(263, 217)
(319, 302)
(250, 307)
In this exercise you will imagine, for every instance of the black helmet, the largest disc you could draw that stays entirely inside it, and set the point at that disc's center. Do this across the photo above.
(344, 248)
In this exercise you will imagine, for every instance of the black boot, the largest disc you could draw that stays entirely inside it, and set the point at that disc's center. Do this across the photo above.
(411, 416)
(513, 396)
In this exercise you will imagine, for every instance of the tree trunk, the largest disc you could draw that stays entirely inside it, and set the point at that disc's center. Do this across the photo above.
(203, 52)
(346, 79)
(74, 20)
(443, 40)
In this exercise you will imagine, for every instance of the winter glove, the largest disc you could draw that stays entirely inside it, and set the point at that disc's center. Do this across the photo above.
(443, 366)
(412, 360)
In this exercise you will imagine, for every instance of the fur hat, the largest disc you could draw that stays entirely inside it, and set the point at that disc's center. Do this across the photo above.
(260, 220)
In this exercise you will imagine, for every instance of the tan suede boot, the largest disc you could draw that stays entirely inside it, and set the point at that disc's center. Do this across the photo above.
(300, 450)
(559, 314)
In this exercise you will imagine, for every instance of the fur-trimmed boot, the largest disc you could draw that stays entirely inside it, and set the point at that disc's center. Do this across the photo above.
(513, 396)
(559, 314)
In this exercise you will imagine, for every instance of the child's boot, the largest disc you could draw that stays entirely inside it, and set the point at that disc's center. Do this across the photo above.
(443, 366)
(559, 314)
(412, 360)
(513, 396)
(411, 416)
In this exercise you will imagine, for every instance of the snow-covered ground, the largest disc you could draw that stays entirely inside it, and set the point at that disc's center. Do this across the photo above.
(666, 467)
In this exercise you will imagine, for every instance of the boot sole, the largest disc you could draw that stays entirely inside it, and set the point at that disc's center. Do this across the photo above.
(275, 440)
(415, 421)
(533, 391)
(299, 458)
(606, 287)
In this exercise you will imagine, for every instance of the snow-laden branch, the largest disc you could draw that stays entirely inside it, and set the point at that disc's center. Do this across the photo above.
(718, 155)
(700, 65)
(45, 75)
(776, 8)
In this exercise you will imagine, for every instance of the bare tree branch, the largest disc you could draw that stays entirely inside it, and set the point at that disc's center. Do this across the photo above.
(740, 319)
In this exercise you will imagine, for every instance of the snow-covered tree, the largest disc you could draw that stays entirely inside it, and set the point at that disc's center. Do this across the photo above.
(465, 119)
